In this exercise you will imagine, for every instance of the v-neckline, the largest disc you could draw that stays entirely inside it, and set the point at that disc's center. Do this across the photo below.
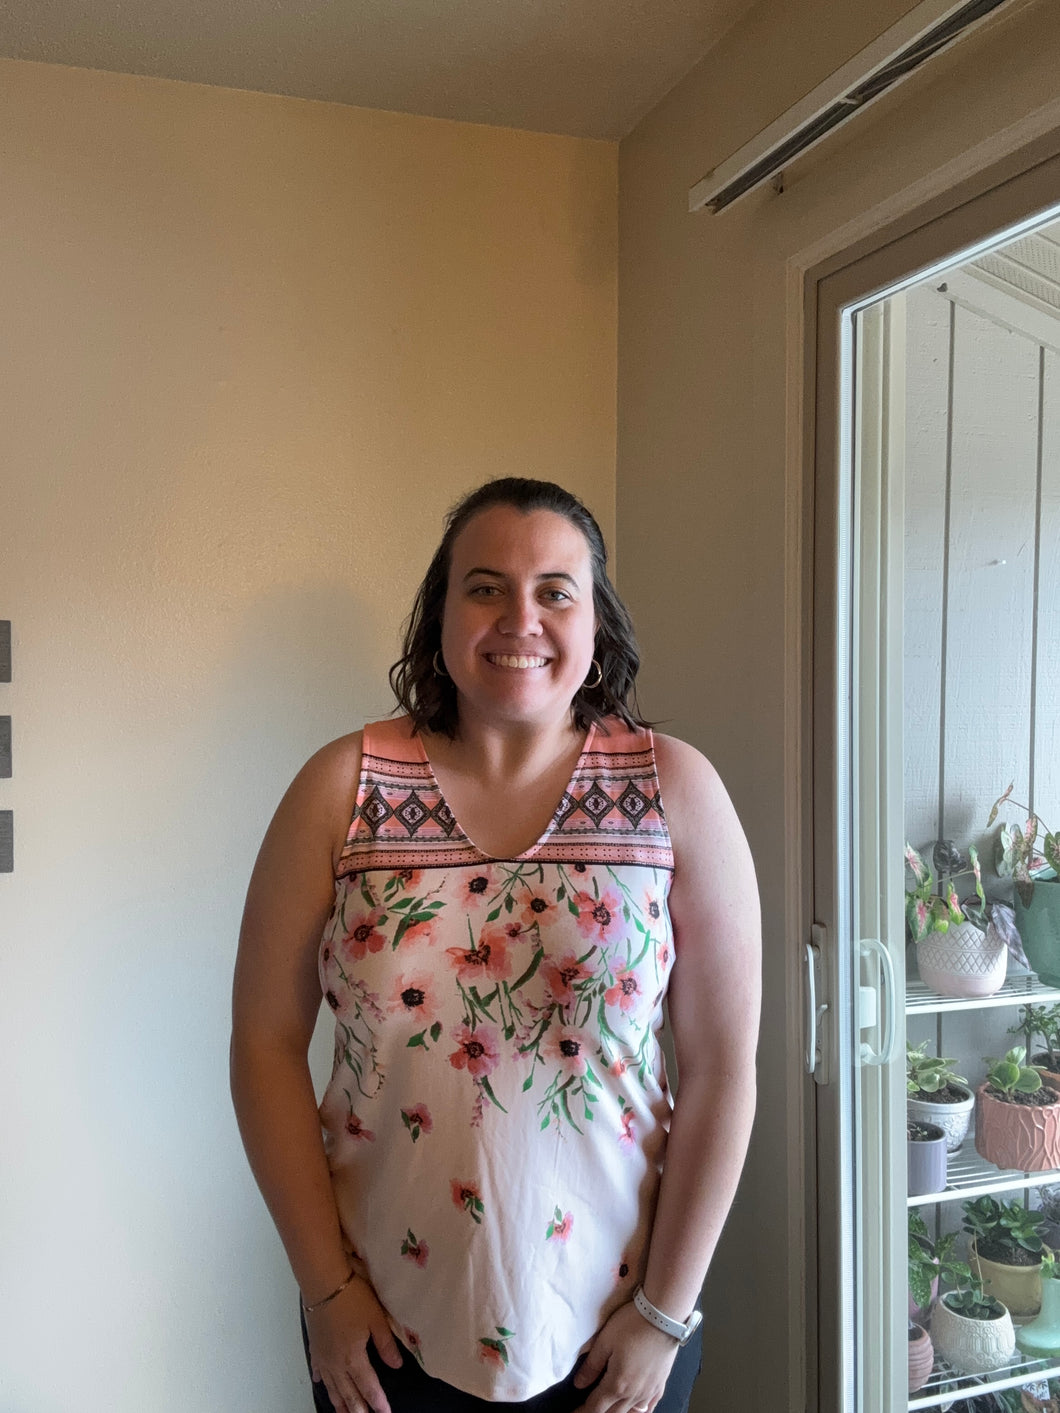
(527, 854)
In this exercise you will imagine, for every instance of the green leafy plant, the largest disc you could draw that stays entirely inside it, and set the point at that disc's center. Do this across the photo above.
(1003, 1229)
(1050, 1267)
(1010, 1076)
(1018, 855)
(928, 1074)
(929, 1261)
(1045, 1022)
(930, 905)
(970, 1300)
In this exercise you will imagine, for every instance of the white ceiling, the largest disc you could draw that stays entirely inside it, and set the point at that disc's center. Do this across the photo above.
(589, 68)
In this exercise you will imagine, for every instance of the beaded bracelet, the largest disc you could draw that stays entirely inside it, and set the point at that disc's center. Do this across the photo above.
(308, 1309)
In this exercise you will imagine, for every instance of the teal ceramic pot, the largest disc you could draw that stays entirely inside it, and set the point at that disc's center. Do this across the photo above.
(1039, 929)
(1041, 1338)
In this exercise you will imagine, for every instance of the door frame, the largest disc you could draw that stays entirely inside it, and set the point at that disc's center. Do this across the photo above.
(991, 189)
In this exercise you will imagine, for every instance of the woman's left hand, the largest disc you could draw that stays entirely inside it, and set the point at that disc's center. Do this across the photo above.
(635, 1360)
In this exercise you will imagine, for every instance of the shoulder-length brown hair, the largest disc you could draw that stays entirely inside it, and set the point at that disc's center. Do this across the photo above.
(430, 699)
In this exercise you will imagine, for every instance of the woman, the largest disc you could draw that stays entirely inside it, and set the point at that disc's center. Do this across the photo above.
(527, 873)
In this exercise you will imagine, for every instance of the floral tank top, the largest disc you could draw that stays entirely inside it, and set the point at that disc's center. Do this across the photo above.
(497, 1115)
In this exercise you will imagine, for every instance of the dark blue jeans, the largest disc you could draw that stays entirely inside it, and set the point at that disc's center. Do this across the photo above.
(410, 1390)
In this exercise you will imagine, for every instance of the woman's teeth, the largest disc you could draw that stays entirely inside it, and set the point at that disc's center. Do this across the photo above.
(508, 660)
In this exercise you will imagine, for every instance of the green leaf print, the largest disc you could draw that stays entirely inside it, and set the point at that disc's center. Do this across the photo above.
(436, 1030)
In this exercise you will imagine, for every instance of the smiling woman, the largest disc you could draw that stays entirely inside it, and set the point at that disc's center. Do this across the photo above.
(493, 902)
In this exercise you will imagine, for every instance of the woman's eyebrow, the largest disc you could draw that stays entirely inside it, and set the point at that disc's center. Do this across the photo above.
(552, 574)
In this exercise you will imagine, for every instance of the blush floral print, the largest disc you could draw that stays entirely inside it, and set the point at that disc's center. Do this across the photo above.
(528, 990)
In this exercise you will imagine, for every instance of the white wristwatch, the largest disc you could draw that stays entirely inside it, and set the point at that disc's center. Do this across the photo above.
(674, 1328)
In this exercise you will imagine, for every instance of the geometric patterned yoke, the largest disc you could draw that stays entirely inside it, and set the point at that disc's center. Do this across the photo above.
(497, 1114)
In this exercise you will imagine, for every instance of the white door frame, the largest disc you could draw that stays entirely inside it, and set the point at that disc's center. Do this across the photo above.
(1010, 178)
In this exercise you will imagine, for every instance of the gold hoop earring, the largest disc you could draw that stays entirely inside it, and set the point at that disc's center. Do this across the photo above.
(591, 686)
(438, 671)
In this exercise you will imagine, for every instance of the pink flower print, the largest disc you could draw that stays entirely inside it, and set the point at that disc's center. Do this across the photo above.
(495, 1351)
(488, 959)
(561, 976)
(409, 878)
(617, 1067)
(332, 1000)
(568, 1047)
(414, 996)
(356, 1129)
(539, 910)
(625, 992)
(628, 1137)
(364, 935)
(652, 907)
(467, 1197)
(597, 915)
(417, 1120)
(413, 1250)
(477, 1050)
(662, 954)
(476, 888)
(418, 932)
(560, 1227)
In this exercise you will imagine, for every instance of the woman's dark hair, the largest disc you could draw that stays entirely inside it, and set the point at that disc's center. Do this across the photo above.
(430, 699)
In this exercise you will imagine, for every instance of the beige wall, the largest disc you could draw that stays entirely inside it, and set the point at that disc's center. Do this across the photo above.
(707, 493)
(252, 348)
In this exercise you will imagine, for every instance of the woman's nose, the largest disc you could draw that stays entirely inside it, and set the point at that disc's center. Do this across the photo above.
(521, 617)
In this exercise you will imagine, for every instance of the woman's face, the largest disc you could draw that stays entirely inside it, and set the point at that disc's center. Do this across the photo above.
(518, 624)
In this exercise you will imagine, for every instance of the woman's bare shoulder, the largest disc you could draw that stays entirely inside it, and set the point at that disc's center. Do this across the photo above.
(322, 796)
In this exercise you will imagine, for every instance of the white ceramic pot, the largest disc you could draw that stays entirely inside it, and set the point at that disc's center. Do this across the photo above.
(972, 1346)
(962, 961)
(952, 1119)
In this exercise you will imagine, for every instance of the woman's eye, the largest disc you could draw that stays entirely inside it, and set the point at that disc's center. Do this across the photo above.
(556, 595)
(485, 590)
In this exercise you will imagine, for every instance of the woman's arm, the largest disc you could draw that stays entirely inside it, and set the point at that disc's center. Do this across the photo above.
(276, 998)
(713, 1003)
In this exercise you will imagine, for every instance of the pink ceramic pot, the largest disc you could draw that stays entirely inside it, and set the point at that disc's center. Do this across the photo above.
(1025, 1137)
(921, 1359)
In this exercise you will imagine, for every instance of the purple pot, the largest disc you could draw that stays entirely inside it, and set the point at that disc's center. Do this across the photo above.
(927, 1161)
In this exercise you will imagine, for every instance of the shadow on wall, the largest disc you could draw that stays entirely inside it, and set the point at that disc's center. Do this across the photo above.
(170, 1187)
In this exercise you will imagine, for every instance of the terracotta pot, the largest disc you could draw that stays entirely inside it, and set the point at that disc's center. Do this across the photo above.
(921, 1358)
(1025, 1137)
(953, 1119)
(1019, 1288)
(962, 961)
(972, 1346)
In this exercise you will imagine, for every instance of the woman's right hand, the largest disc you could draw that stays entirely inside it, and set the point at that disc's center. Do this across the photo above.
(338, 1348)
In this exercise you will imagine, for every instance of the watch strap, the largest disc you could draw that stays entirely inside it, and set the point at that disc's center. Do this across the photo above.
(676, 1329)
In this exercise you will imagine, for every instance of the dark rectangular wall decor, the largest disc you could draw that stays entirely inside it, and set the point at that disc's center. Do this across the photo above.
(5, 747)
(5, 650)
(7, 841)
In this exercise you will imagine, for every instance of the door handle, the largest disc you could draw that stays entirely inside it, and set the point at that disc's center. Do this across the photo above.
(883, 1056)
(814, 1011)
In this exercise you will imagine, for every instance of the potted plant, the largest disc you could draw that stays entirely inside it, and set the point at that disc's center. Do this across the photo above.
(970, 1329)
(1043, 1021)
(1041, 1338)
(921, 1356)
(959, 950)
(1030, 855)
(1017, 1117)
(937, 1094)
(1006, 1252)
(925, 1158)
(927, 1262)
